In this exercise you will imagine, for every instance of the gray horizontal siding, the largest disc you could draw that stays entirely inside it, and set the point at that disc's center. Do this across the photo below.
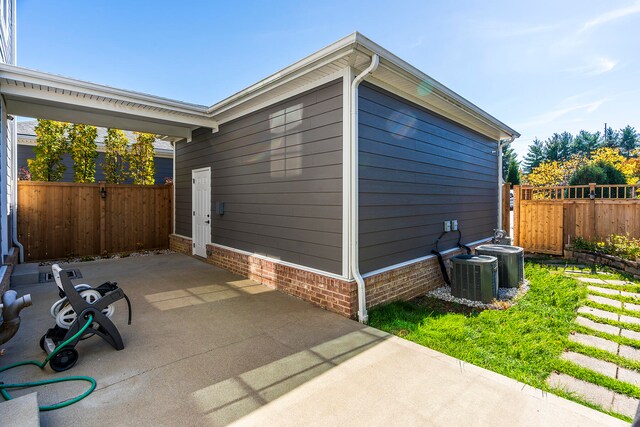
(418, 169)
(279, 173)
(164, 166)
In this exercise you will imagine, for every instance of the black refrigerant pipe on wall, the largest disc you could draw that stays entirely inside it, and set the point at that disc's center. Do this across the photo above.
(437, 253)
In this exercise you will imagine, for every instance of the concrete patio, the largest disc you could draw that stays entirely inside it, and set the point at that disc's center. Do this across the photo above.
(210, 348)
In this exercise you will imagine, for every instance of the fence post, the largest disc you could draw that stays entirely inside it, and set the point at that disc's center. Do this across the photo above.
(516, 214)
(592, 207)
(103, 217)
(506, 210)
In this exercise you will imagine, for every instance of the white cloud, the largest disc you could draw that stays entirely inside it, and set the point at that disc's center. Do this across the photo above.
(494, 29)
(597, 65)
(560, 111)
(419, 41)
(612, 16)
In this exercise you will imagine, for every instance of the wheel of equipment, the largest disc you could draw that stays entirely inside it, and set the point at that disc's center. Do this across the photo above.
(64, 359)
(42, 342)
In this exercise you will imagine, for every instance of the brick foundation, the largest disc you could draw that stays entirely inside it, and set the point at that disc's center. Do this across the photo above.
(330, 293)
(180, 244)
(405, 283)
(10, 262)
(339, 296)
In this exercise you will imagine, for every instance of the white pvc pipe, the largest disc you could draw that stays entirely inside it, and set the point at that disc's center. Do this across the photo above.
(353, 211)
(500, 180)
(500, 184)
(14, 195)
(14, 137)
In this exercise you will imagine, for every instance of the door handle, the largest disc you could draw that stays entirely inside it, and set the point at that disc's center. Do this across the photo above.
(207, 222)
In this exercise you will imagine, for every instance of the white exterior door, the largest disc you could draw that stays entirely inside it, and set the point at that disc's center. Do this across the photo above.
(201, 205)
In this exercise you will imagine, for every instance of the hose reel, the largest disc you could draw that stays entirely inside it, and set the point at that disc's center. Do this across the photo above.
(78, 305)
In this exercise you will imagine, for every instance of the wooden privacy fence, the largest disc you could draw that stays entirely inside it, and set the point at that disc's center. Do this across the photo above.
(548, 218)
(61, 219)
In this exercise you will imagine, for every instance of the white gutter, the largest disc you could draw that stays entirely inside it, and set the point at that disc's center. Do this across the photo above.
(353, 211)
(500, 179)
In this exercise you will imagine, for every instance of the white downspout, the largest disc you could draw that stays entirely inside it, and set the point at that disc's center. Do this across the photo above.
(501, 144)
(354, 217)
(14, 181)
(14, 199)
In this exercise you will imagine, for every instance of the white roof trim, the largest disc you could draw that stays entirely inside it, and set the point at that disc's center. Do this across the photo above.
(338, 49)
(8, 71)
(440, 89)
(36, 94)
(355, 44)
(62, 98)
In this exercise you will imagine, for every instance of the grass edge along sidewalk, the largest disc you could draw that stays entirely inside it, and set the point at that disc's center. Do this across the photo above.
(524, 342)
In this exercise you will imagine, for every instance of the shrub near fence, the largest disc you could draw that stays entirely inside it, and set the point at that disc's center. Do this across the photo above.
(59, 219)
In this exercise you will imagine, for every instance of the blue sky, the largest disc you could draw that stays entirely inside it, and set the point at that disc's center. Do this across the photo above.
(540, 67)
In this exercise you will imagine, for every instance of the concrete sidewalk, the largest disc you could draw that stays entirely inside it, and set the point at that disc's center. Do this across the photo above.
(210, 348)
(398, 382)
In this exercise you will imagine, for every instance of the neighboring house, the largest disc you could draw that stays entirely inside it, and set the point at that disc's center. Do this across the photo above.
(163, 158)
(329, 180)
(7, 143)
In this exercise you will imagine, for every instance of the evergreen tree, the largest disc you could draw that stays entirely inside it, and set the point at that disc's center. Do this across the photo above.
(508, 155)
(115, 158)
(82, 143)
(51, 145)
(513, 173)
(628, 140)
(611, 138)
(141, 165)
(585, 142)
(535, 155)
(558, 147)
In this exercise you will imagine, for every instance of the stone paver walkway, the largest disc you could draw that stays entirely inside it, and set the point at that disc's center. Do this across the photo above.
(599, 395)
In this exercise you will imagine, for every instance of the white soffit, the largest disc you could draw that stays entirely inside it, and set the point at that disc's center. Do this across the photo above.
(36, 94)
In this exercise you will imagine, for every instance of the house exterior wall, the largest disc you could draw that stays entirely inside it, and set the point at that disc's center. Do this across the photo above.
(416, 170)
(164, 166)
(279, 173)
(7, 133)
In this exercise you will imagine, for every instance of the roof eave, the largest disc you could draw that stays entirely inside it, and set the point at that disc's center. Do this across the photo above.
(341, 48)
(367, 46)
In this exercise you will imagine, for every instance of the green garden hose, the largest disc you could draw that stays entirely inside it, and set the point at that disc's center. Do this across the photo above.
(41, 365)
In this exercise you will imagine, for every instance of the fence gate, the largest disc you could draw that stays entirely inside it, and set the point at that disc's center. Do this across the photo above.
(540, 226)
(62, 219)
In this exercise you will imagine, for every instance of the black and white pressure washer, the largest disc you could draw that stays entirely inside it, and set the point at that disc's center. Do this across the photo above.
(77, 306)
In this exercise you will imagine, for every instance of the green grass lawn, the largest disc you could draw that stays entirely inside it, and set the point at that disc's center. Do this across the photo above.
(522, 342)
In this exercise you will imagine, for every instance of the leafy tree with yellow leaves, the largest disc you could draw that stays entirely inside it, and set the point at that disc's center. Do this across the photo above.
(51, 145)
(115, 156)
(141, 165)
(83, 147)
(559, 173)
